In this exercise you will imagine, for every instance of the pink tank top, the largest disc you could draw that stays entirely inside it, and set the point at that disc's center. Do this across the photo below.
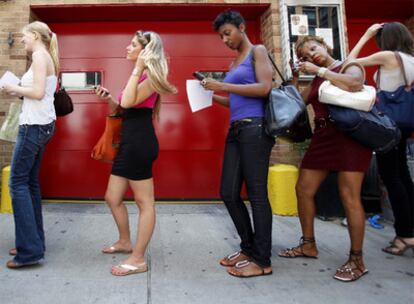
(147, 103)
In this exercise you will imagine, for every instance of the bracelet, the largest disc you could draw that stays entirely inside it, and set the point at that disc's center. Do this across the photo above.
(135, 72)
(321, 72)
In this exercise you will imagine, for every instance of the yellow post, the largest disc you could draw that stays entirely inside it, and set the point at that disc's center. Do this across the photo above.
(281, 187)
(6, 205)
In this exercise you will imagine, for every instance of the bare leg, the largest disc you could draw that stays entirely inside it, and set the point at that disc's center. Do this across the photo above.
(349, 184)
(114, 195)
(144, 197)
(306, 188)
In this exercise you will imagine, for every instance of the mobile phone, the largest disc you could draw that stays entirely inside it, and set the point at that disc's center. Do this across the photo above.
(199, 76)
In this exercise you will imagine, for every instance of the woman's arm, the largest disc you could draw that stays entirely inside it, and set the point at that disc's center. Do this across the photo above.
(351, 80)
(135, 93)
(222, 100)
(263, 71)
(39, 69)
(370, 32)
(385, 59)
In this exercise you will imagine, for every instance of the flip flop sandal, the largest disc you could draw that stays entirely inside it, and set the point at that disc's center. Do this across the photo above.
(246, 263)
(12, 264)
(130, 269)
(112, 250)
(232, 259)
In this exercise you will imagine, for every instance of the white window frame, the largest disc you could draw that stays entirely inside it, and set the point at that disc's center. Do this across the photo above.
(283, 6)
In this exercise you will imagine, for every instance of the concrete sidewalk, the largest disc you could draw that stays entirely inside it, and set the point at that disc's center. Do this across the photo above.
(183, 257)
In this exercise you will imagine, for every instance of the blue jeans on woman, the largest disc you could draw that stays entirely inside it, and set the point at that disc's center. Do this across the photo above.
(25, 191)
(246, 159)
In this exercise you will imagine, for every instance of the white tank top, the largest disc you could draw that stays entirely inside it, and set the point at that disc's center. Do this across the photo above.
(392, 79)
(35, 111)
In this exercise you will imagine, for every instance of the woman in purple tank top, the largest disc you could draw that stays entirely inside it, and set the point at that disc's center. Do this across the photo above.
(248, 147)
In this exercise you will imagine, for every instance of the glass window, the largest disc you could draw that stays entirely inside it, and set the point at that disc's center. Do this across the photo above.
(80, 80)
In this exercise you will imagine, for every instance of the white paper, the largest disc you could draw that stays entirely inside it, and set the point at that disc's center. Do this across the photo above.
(326, 34)
(9, 78)
(198, 97)
(299, 25)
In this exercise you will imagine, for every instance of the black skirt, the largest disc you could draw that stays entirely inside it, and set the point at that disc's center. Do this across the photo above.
(139, 145)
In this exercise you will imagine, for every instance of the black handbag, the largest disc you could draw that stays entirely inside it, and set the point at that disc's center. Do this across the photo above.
(372, 129)
(285, 112)
(63, 102)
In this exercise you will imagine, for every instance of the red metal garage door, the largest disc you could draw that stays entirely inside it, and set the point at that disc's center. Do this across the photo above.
(191, 144)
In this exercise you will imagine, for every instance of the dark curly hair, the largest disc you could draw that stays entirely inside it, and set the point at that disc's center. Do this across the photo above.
(228, 16)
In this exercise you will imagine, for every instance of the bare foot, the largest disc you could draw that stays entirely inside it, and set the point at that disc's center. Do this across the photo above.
(118, 247)
(248, 269)
(233, 259)
(130, 266)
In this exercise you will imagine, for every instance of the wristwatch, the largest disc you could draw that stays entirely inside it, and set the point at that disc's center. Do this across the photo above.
(321, 72)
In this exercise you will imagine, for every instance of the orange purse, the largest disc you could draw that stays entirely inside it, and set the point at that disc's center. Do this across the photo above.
(108, 145)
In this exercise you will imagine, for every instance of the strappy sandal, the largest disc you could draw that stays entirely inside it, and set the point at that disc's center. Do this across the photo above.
(353, 269)
(232, 259)
(297, 252)
(395, 250)
(245, 263)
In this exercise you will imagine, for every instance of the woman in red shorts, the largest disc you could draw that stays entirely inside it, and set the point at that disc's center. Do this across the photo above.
(330, 150)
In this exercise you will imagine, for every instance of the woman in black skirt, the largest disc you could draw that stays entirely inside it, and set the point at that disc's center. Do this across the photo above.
(138, 149)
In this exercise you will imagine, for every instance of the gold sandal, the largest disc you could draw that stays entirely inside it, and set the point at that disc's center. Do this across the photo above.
(353, 269)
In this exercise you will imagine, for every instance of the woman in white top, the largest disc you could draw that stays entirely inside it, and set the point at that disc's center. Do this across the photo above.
(393, 168)
(36, 127)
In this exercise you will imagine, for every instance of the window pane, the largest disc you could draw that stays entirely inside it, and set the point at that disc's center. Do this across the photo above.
(80, 80)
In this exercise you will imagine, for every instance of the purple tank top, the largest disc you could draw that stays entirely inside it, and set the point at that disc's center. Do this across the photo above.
(243, 106)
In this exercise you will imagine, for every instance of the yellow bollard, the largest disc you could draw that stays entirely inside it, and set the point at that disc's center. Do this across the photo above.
(6, 205)
(281, 187)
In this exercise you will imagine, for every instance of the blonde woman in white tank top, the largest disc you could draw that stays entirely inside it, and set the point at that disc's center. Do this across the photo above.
(392, 166)
(37, 125)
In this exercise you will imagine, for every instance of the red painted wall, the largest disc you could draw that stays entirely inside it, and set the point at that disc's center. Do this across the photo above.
(191, 144)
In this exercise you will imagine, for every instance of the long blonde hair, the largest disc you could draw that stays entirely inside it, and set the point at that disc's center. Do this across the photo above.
(157, 65)
(48, 38)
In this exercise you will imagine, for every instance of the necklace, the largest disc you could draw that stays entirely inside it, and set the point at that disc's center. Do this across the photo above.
(332, 64)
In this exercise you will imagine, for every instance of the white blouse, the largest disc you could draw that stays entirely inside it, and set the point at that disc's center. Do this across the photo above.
(35, 111)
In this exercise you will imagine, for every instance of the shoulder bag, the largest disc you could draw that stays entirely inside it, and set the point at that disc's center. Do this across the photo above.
(372, 129)
(398, 104)
(285, 112)
(362, 100)
(63, 102)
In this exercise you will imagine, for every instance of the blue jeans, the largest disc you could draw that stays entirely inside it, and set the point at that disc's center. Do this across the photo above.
(246, 159)
(25, 191)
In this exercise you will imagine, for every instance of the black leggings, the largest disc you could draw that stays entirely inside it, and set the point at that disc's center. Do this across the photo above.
(394, 173)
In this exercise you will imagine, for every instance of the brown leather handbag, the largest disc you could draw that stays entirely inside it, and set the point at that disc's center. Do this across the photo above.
(108, 145)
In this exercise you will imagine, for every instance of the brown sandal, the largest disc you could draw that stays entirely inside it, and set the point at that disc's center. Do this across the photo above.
(395, 250)
(244, 264)
(232, 259)
(297, 252)
(353, 269)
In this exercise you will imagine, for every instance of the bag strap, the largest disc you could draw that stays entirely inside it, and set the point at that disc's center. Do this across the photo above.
(273, 64)
(401, 64)
(353, 63)
(402, 68)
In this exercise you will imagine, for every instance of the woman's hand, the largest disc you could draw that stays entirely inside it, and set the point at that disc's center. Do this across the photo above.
(103, 93)
(212, 85)
(10, 89)
(373, 30)
(140, 63)
(307, 67)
